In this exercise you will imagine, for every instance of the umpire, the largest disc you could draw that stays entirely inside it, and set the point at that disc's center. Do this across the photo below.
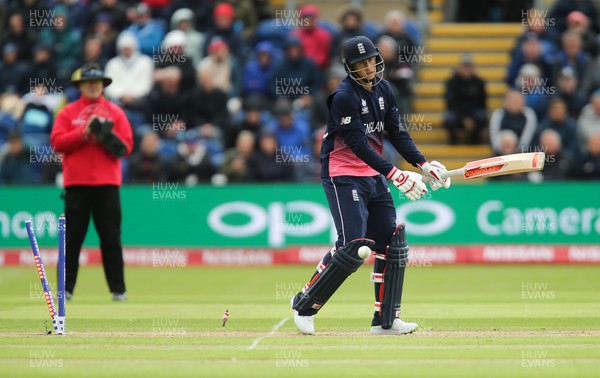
(93, 134)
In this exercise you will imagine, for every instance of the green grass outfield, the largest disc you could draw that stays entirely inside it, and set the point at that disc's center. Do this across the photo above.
(480, 321)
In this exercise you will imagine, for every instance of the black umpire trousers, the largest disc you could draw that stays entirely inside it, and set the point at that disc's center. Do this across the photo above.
(103, 204)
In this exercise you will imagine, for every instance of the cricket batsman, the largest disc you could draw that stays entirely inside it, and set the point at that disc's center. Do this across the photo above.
(353, 174)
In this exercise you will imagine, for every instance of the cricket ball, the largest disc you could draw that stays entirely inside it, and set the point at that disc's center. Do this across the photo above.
(364, 252)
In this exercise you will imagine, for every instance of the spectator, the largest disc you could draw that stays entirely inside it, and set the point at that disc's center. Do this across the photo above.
(394, 27)
(26, 8)
(13, 74)
(66, 42)
(202, 11)
(132, 72)
(559, 121)
(589, 121)
(466, 106)
(351, 24)
(258, 72)
(246, 15)
(173, 53)
(570, 93)
(293, 137)
(11, 108)
(171, 130)
(38, 115)
(295, 76)
(399, 74)
(559, 159)
(538, 28)
(92, 52)
(292, 132)
(11, 105)
(235, 164)
(315, 39)
(572, 55)
(223, 30)
(210, 102)
(274, 31)
(530, 52)
(578, 23)
(146, 165)
(148, 31)
(43, 64)
(252, 118)
(263, 165)
(77, 13)
(199, 155)
(183, 19)
(319, 110)
(161, 9)
(516, 117)
(18, 35)
(115, 10)
(562, 8)
(534, 90)
(104, 31)
(166, 101)
(223, 67)
(15, 165)
(588, 163)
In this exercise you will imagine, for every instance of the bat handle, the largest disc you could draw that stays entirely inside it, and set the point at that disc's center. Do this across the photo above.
(451, 173)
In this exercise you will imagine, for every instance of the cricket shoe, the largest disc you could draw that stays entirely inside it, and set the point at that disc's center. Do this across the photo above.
(306, 324)
(119, 297)
(68, 296)
(398, 328)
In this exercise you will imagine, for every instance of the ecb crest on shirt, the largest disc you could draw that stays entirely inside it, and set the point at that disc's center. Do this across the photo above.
(381, 103)
(365, 108)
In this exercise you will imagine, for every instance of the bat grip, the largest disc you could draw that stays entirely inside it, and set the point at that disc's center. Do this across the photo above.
(451, 173)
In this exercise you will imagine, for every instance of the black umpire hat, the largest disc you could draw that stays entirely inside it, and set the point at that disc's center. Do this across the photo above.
(90, 72)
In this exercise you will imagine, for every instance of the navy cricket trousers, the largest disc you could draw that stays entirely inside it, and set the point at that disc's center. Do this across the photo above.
(362, 207)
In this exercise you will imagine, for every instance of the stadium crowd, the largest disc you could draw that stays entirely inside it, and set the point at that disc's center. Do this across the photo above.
(235, 91)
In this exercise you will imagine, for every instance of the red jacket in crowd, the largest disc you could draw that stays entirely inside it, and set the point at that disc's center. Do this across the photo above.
(316, 43)
(85, 161)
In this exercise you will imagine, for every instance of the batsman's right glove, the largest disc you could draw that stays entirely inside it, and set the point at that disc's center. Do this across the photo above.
(434, 171)
(409, 183)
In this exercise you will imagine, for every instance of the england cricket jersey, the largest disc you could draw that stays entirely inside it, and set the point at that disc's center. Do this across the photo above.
(353, 142)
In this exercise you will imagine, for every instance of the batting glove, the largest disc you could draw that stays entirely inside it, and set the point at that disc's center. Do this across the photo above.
(409, 183)
(434, 170)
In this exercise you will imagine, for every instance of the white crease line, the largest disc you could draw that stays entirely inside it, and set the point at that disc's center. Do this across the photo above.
(275, 328)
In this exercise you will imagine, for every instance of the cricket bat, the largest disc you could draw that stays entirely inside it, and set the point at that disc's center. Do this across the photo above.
(500, 165)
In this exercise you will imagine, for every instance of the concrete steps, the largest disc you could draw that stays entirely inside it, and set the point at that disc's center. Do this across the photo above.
(439, 89)
(489, 45)
(447, 42)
